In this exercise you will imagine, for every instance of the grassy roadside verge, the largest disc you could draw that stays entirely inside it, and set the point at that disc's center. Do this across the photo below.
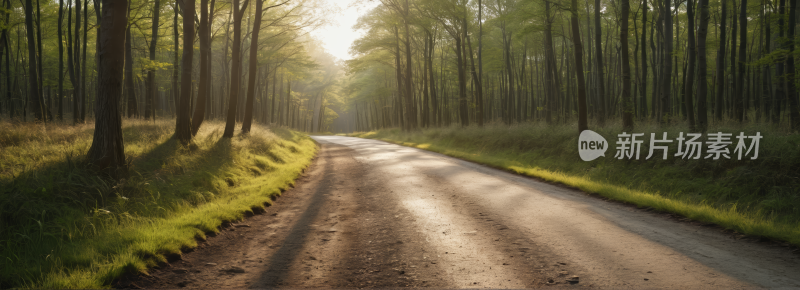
(61, 226)
(753, 197)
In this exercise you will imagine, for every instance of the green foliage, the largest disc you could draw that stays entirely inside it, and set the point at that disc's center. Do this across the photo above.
(147, 64)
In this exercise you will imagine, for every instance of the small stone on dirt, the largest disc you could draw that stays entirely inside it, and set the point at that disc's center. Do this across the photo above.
(506, 264)
(646, 279)
(573, 280)
(235, 270)
(563, 273)
(211, 264)
(242, 226)
(274, 214)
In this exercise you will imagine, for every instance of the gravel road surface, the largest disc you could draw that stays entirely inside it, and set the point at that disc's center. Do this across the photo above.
(372, 214)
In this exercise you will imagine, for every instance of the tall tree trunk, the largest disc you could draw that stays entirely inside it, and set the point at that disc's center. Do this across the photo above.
(236, 72)
(411, 114)
(720, 87)
(6, 45)
(183, 130)
(35, 100)
(482, 116)
(478, 86)
(627, 102)
(509, 70)
(666, 75)
(601, 114)
(151, 89)
(780, 92)
(8, 71)
(253, 66)
(463, 108)
(550, 74)
(205, 49)
(84, 98)
(399, 71)
(107, 152)
(578, 51)
(71, 64)
(765, 70)
(130, 92)
(39, 55)
(274, 96)
(60, 60)
(689, 84)
(175, 60)
(739, 94)
(432, 82)
(425, 89)
(210, 111)
(643, 86)
(702, 71)
(791, 74)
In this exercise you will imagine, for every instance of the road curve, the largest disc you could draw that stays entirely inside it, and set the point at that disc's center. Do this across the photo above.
(479, 212)
(368, 213)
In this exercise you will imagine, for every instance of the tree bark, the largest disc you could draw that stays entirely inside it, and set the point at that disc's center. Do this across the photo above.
(175, 60)
(411, 114)
(627, 102)
(183, 130)
(107, 152)
(601, 112)
(702, 71)
(791, 74)
(578, 51)
(251, 81)
(35, 99)
(236, 71)
(689, 84)
(666, 74)
(478, 86)
(46, 114)
(643, 87)
(84, 96)
(550, 74)
(205, 49)
(150, 91)
(739, 95)
(130, 92)
(60, 60)
(780, 92)
(720, 87)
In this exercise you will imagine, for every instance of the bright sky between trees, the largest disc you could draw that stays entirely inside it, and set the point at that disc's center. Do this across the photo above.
(339, 35)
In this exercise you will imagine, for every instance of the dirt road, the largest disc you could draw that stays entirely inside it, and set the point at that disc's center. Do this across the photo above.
(372, 214)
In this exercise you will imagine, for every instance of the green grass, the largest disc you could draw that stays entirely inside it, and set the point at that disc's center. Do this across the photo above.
(755, 197)
(62, 226)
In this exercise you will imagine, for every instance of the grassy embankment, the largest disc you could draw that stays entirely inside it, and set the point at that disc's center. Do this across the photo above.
(62, 226)
(755, 197)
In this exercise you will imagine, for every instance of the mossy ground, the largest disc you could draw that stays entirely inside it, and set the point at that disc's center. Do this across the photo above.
(63, 226)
